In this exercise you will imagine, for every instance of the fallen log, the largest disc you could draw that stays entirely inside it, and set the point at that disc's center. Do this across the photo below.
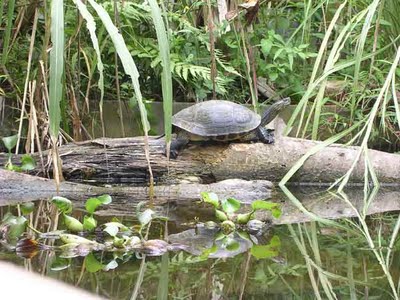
(122, 161)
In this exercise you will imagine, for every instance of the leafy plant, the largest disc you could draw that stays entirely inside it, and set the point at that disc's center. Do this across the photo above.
(65, 206)
(280, 55)
(225, 210)
(27, 162)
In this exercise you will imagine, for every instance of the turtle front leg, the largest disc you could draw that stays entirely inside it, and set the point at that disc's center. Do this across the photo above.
(265, 135)
(177, 146)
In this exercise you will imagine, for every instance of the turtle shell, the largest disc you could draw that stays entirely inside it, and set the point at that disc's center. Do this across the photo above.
(216, 118)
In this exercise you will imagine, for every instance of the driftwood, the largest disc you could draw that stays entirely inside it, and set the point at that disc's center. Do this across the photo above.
(122, 161)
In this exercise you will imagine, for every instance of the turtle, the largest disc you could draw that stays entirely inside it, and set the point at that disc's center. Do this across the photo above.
(222, 121)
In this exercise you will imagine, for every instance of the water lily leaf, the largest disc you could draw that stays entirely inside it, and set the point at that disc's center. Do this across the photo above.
(27, 207)
(93, 203)
(146, 216)
(74, 239)
(73, 224)
(221, 215)
(112, 228)
(89, 223)
(27, 163)
(111, 265)
(244, 235)
(275, 208)
(92, 265)
(10, 167)
(244, 218)
(232, 245)
(211, 198)
(17, 226)
(60, 264)
(207, 252)
(275, 242)
(263, 251)
(10, 141)
(64, 205)
(230, 205)
(118, 242)
(267, 251)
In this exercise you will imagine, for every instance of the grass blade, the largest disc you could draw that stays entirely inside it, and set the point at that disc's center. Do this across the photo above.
(131, 70)
(7, 33)
(91, 26)
(56, 66)
(166, 79)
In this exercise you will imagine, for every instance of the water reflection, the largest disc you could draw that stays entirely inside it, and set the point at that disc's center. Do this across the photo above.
(325, 246)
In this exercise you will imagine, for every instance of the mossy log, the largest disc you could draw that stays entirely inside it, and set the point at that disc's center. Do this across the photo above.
(122, 161)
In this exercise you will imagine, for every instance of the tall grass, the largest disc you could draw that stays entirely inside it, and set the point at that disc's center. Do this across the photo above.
(56, 66)
(166, 78)
(8, 29)
(56, 81)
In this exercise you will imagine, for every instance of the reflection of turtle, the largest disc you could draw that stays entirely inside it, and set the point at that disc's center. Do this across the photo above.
(219, 120)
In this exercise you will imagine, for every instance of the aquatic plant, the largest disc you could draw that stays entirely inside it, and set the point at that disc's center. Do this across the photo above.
(225, 211)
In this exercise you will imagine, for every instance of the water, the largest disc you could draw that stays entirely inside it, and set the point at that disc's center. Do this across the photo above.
(345, 257)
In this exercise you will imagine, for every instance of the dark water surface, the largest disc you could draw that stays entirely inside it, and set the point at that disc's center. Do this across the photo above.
(344, 259)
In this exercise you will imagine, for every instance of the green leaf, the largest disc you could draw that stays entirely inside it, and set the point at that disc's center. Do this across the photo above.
(146, 216)
(73, 224)
(221, 216)
(112, 228)
(67, 238)
(290, 57)
(60, 264)
(126, 60)
(275, 208)
(89, 223)
(64, 205)
(10, 141)
(93, 203)
(262, 204)
(275, 242)
(244, 235)
(211, 198)
(92, 265)
(232, 245)
(278, 53)
(230, 205)
(111, 265)
(166, 77)
(267, 251)
(263, 251)
(6, 34)
(56, 65)
(91, 26)
(27, 162)
(273, 76)
(27, 208)
(17, 226)
(244, 218)
(266, 45)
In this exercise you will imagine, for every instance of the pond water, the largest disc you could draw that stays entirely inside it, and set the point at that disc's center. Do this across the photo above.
(324, 246)
(351, 257)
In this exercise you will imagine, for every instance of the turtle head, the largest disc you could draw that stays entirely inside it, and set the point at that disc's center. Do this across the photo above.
(274, 110)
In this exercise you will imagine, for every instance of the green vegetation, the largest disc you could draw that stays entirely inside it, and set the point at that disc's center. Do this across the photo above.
(318, 53)
(337, 60)
(229, 217)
